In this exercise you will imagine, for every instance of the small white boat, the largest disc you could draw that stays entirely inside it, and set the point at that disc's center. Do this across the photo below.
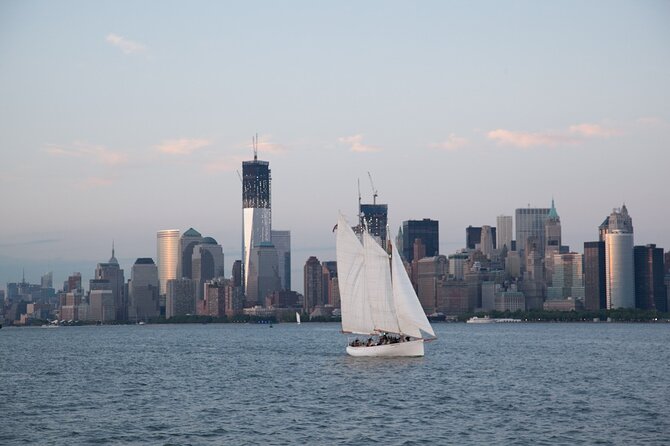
(377, 297)
(297, 318)
(480, 320)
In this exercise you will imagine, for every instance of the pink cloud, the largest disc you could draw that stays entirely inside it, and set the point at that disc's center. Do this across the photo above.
(265, 145)
(452, 143)
(593, 130)
(355, 143)
(225, 164)
(525, 140)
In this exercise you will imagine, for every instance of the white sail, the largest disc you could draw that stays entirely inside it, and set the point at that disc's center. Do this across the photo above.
(351, 280)
(297, 318)
(378, 288)
(411, 316)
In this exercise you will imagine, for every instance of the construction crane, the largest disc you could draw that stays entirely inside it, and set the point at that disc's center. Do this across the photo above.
(239, 176)
(374, 191)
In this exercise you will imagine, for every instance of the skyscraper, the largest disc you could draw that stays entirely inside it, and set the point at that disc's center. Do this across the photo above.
(504, 228)
(375, 217)
(650, 292)
(282, 242)
(206, 263)
(619, 262)
(426, 230)
(552, 240)
(180, 297)
(257, 212)
(530, 223)
(473, 237)
(167, 254)
(594, 276)
(187, 243)
(111, 272)
(313, 277)
(263, 274)
(143, 298)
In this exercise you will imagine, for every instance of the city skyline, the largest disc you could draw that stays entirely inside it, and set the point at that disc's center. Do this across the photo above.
(458, 115)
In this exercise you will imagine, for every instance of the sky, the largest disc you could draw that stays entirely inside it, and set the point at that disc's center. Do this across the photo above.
(120, 118)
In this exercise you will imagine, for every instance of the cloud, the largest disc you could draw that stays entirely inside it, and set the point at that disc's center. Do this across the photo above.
(356, 144)
(453, 142)
(126, 45)
(183, 146)
(98, 153)
(527, 139)
(593, 130)
(574, 134)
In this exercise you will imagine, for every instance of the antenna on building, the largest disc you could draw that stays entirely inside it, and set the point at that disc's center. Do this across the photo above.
(374, 191)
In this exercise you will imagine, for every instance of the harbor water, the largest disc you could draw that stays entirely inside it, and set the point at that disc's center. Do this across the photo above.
(527, 383)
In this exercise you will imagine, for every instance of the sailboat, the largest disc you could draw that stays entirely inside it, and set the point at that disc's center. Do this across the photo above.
(377, 299)
(297, 318)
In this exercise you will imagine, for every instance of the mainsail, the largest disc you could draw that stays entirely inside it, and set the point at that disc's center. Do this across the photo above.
(375, 295)
(351, 280)
(378, 288)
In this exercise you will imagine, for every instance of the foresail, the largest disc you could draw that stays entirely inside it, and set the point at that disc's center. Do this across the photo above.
(411, 316)
(379, 290)
(351, 280)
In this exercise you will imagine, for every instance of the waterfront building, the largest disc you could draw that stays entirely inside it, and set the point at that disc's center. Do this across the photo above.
(313, 285)
(430, 271)
(214, 302)
(47, 280)
(530, 222)
(112, 272)
(167, 255)
(454, 297)
(73, 283)
(568, 281)
(180, 297)
(101, 305)
(552, 241)
(533, 276)
(504, 235)
(143, 290)
(650, 291)
(510, 301)
(263, 274)
(206, 263)
(619, 262)
(282, 242)
(426, 230)
(374, 217)
(595, 297)
(257, 212)
(331, 291)
(473, 237)
(237, 273)
(487, 241)
(457, 263)
(187, 243)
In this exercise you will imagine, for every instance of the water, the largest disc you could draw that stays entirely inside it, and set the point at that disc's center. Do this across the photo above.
(289, 384)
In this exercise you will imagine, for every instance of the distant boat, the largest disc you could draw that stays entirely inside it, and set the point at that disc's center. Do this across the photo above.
(377, 298)
(480, 320)
(297, 318)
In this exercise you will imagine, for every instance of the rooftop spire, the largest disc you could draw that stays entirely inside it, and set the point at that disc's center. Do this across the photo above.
(552, 212)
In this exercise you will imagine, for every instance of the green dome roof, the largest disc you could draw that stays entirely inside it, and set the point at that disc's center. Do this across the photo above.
(192, 233)
(209, 241)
